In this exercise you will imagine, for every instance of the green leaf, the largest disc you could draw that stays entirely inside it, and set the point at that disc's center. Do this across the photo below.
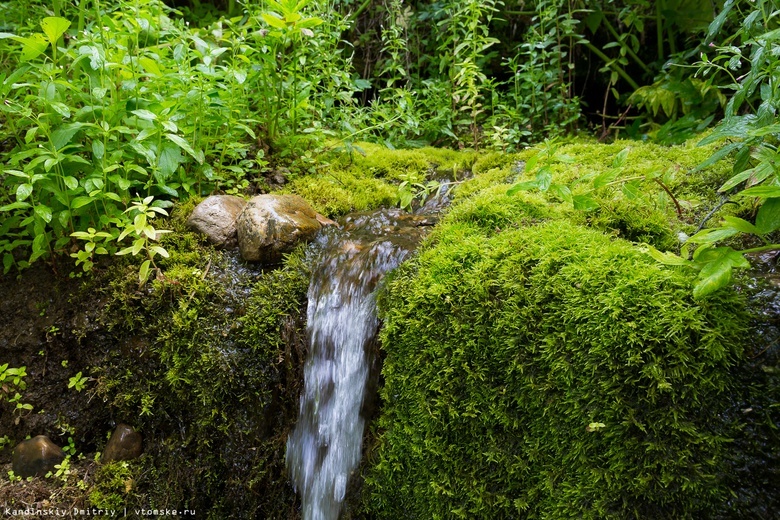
(767, 192)
(584, 202)
(184, 145)
(605, 178)
(98, 149)
(666, 258)
(768, 218)
(71, 182)
(740, 225)
(32, 47)
(170, 158)
(274, 20)
(150, 66)
(522, 186)
(710, 236)
(632, 191)
(54, 27)
(44, 212)
(160, 250)
(23, 191)
(62, 136)
(15, 205)
(143, 272)
(719, 20)
(561, 191)
(716, 272)
(80, 201)
(144, 114)
(620, 158)
(543, 179)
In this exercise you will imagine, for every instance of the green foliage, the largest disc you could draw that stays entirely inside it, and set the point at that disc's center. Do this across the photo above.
(136, 104)
(549, 371)
(752, 140)
(12, 382)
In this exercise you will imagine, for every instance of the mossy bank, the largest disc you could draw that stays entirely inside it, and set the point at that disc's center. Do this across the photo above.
(537, 362)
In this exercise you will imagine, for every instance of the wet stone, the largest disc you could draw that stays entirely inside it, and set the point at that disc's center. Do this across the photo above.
(124, 444)
(271, 225)
(216, 217)
(35, 457)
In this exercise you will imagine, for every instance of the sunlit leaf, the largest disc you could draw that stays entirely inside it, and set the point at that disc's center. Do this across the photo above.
(54, 27)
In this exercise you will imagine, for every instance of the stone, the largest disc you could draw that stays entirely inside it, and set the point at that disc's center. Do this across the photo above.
(35, 457)
(272, 225)
(216, 217)
(325, 221)
(124, 444)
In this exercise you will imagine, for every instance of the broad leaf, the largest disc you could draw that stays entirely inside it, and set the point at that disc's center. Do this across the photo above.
(32, 47)
(716, 269)
(62, 136)
(184, 145)
(54, 27)
(666, 258)
(23, 191)
(768, 218)
(584, 202)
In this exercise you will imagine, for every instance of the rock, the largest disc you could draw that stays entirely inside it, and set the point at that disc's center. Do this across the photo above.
(35, 457)
(216, 217)
(124, 444)
(271, 225)
(325, 221)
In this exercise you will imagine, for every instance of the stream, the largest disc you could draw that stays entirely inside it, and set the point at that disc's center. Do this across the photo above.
(349, 262)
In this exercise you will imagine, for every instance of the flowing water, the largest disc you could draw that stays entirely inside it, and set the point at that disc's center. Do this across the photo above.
(325, 446)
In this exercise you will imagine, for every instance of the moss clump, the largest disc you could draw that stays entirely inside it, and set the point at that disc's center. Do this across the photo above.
(549, 371)
(111, 486)
(369, 180)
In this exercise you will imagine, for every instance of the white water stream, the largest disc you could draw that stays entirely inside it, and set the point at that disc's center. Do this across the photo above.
(325, 447)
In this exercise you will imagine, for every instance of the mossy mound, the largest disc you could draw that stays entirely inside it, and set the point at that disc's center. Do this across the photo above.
(539, 364)
(550, 371)
(368, 177)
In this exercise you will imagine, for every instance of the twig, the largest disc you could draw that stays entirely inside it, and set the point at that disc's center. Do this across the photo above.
(725, 200)
(668, 192)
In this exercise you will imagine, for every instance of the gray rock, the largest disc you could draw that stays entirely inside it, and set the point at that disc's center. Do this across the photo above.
(216, 217)
(35, 457)
(125, 444)
(272, 225)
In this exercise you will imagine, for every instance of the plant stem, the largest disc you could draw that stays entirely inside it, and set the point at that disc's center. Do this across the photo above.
(592, 48)
(623, 44)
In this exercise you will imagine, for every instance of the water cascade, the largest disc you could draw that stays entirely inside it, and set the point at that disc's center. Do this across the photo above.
(325, 446)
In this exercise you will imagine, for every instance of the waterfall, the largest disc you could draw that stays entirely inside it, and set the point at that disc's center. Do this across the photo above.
(325, 446)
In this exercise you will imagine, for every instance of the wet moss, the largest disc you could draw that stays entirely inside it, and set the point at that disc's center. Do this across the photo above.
(540, 365)
(369, 179)
(550, 371)
(207, 370)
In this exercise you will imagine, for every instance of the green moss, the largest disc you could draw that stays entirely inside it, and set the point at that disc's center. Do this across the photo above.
(112, 486)
(369, 180)
(506, 350)
(216, 386)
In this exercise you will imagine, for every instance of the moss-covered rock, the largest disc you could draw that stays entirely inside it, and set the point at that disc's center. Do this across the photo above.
(550, 371)
(207, 369)
(540, 365)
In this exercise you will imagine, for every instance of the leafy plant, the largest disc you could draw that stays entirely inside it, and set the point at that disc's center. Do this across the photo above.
(78, 382)
(752, 140)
